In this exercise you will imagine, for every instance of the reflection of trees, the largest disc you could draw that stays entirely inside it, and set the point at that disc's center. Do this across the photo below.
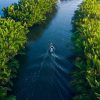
(37, 30)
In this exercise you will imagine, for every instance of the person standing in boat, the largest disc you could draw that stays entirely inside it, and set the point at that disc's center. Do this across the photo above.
(51, 48)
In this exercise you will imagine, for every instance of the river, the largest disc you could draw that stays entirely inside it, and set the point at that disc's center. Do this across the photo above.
(45, 76)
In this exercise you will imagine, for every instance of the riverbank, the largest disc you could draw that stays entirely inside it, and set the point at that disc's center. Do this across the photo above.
(30, 12)
(42, 76)
(86, 27)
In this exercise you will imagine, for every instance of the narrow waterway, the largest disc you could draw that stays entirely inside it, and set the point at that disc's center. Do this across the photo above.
(45, 76)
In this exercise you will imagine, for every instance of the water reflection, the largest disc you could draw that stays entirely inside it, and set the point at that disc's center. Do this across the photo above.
(37, 30)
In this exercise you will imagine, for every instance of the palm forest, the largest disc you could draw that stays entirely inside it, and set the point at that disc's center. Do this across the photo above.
(50, 50)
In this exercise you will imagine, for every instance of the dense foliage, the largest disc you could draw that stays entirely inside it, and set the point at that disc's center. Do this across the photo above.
(13, 32)
(86, 26)
(30, 12)
(12, 39)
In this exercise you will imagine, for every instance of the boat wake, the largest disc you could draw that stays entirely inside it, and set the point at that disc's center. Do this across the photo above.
(48, 76)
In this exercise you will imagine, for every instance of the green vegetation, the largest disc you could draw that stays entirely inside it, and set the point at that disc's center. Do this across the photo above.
(13, 30)
(30, 12)
(12, 39)
(86, 23)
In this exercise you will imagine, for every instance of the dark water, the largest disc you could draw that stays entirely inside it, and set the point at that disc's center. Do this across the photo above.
(44, 76)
